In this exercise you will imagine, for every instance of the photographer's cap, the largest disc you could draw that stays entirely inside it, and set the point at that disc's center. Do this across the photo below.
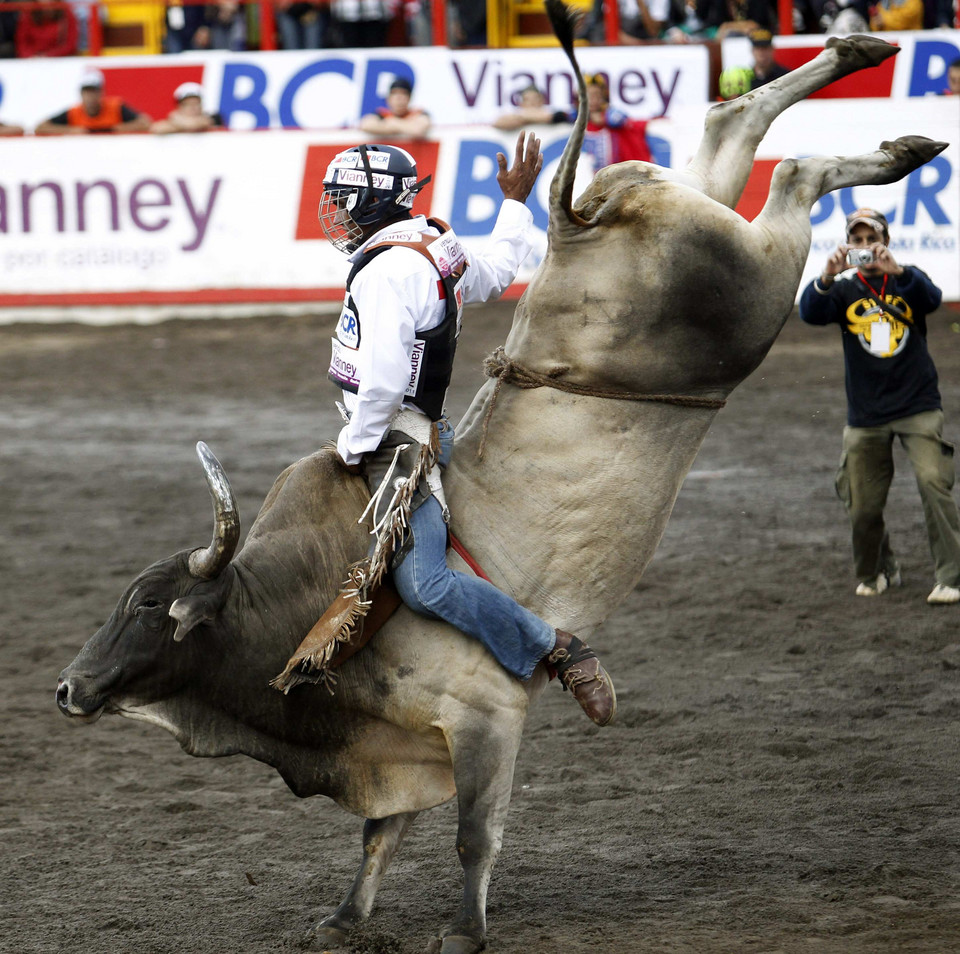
(876, 220)
(761, 38)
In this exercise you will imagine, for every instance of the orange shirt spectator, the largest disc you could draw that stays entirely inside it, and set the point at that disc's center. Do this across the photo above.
(95, 113)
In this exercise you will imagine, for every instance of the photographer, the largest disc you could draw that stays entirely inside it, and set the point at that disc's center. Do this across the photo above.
(882, 308)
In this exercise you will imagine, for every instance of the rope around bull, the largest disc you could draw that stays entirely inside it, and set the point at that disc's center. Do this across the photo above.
(504, 369)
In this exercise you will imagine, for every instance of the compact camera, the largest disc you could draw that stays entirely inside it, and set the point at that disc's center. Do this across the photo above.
(860, 256)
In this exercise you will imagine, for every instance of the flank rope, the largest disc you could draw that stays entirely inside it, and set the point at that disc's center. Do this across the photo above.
(504, 369)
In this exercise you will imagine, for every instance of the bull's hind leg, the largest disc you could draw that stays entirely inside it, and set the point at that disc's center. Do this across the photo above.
(484, 755)
(733, 131)
(798, 183)
(381, 838)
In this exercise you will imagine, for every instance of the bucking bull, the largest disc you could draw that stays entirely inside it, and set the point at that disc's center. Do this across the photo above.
(653, 302)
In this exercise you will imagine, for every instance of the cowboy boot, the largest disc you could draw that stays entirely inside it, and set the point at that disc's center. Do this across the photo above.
(580, 671)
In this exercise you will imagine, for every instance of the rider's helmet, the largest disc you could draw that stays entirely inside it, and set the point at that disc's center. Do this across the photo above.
(735, 81)
(363, 186)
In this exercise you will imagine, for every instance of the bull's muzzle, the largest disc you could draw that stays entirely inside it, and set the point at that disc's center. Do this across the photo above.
(72, 702)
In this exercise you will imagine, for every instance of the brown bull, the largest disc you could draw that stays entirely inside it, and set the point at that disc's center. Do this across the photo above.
(654, 301)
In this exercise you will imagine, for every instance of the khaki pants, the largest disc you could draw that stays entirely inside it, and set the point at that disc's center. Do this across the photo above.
(863, 480)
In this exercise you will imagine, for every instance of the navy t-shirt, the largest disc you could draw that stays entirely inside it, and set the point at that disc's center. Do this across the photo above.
(889, 371)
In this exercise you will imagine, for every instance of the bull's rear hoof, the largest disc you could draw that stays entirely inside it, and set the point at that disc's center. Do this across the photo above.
(455, 944)
(327, 938)
(911, 152)
(862, 51)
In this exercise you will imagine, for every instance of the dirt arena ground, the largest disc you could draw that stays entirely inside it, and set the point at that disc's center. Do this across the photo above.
(783, 776)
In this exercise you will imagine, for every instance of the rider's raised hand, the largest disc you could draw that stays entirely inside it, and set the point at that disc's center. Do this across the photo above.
(517, 182)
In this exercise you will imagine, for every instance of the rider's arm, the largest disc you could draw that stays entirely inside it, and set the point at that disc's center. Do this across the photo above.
(488, 274)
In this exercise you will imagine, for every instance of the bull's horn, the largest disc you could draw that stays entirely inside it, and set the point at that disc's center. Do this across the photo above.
(206, 564)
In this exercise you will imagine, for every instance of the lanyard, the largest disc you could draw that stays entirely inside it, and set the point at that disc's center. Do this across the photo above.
(881, 296)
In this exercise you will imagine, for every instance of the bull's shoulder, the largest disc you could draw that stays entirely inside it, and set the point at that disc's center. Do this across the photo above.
(314, 488)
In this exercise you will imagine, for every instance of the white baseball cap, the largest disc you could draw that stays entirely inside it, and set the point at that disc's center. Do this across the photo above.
(91, 79)
(188, 89)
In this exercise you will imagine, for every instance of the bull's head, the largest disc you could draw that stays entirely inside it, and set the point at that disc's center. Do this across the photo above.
(131, 659)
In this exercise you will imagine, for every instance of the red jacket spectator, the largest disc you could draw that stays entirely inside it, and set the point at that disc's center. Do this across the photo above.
(46, 31)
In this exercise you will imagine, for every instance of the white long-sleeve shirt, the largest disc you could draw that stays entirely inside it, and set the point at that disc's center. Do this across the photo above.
(397, 296)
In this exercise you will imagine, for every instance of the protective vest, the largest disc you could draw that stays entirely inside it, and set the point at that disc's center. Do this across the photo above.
(110, 115)
(431, 364)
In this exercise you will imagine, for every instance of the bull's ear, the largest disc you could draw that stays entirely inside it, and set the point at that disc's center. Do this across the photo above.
(190, 611)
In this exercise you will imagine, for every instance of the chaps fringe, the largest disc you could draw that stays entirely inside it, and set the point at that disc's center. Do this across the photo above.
(344, 618)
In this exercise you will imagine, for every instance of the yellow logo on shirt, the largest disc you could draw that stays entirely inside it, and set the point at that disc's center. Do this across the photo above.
(864, 313)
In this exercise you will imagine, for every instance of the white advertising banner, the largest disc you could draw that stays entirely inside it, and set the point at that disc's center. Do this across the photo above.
(332, 89)
(232, 216)
(146, 218)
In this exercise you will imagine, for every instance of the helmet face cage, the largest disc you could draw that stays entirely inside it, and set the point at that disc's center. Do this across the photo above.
(363, 186)
(335, 221)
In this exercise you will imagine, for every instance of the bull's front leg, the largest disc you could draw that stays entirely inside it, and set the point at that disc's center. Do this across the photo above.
(484, 756)
(381, 838)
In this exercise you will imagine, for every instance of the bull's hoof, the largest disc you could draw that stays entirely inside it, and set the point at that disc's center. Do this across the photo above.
(455, 944)
(327, 937)
(862, 51)
(911, 152)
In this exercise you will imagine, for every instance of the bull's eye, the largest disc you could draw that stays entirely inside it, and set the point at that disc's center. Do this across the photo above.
(150, 605)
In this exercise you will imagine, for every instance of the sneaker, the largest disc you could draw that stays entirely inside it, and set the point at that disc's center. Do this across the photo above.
(580, 671)
(873, 587)
(881, 584)
(943, 595)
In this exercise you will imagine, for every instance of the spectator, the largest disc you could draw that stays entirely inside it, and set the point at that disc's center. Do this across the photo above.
(892, 392)
(941, 14)
(416, 18)
(469, 26)
(611, 135)
(6, 129)
(83, 10)
(95, 113)
(302, 23)
(532, 109)
(723, 18)
(8, 33)
(765, 67)
(642, 20)
(953, 79)
(46, 31)
(685, 23)
(398, 117)
(188, 114)
(227, 20)
(842, 17)
(361, 23)
(897, 15)
(186, 28)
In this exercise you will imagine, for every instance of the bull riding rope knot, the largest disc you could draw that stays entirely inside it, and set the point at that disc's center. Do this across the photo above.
(499, 366)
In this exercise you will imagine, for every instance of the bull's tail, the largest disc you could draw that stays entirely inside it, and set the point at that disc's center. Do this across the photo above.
(564, 20)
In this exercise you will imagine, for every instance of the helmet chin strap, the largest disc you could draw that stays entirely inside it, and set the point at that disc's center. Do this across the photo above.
(413, 190)
(362, 149)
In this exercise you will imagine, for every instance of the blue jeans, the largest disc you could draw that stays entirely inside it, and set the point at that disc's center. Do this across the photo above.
(517, 638)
